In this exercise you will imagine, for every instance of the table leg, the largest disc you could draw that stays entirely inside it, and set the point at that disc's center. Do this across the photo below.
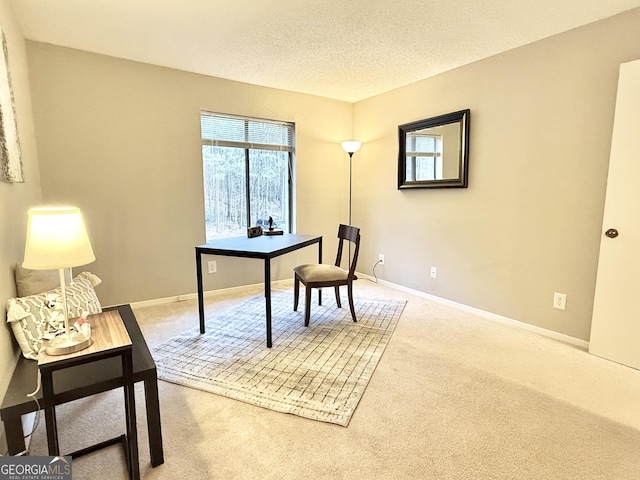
(153, 421)
(14, 434)
(50, 413)
(320, 261)
(130, 409)
(200, 292)
(267, 295)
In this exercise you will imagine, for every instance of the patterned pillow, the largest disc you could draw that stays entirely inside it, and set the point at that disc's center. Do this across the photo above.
(31, 318)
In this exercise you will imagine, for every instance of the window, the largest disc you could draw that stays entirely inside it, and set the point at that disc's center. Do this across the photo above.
(247, 165)
(424, 157)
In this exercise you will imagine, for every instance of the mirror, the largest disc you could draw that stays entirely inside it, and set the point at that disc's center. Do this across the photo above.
(434, 153)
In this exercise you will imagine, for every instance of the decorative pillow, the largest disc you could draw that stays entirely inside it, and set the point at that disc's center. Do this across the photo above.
(32, 317)
(32, 282)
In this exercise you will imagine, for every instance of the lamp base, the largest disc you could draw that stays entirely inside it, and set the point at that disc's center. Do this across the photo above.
(62, 345)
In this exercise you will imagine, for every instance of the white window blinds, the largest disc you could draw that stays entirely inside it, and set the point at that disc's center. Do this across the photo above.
(243, 132)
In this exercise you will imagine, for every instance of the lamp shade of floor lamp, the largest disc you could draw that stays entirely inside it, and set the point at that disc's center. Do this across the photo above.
(57, 239)
(351, 147)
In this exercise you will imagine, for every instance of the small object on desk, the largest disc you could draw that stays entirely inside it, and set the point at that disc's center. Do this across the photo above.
(271, 230)
(254, 232)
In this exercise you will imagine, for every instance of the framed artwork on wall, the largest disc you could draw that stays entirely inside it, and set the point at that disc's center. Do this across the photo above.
(10, 153)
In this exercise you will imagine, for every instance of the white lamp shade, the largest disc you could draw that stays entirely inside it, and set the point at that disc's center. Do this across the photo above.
(351, 146)
(56, 238)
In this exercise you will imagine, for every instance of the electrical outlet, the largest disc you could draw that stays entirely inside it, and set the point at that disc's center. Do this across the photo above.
(381, 258)
(434, 272)
(560, 301)
(213, 266)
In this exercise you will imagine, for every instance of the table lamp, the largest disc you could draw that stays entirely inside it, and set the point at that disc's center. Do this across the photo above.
(57, 239)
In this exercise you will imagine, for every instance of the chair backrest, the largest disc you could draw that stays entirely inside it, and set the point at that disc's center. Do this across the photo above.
(350, 234)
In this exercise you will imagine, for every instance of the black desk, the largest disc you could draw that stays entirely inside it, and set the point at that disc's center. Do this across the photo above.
(264, 247)
(82, 381)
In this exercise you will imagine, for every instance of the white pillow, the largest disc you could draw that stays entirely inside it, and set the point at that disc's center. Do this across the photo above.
(32, 282)
(31, 318)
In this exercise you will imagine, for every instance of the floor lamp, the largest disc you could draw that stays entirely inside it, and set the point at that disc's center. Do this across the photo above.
(57, 239)
(351, 147)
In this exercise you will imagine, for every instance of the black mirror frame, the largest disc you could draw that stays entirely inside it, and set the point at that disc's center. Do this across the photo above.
(462, 181)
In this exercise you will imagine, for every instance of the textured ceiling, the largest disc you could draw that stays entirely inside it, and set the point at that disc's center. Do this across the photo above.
(342, 49)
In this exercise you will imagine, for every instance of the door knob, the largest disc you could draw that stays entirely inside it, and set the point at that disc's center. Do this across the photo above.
(611, 233)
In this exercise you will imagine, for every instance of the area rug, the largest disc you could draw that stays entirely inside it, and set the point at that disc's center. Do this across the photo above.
(318, 372)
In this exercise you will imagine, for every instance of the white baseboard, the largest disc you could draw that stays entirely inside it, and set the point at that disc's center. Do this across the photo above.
(209, 293)
(488, 315)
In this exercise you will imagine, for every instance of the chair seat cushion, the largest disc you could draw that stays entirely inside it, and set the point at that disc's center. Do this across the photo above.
(320, 273)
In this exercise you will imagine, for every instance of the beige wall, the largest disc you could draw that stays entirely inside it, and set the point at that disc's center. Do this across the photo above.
(15, 198)
(121, 140)
(529, 224)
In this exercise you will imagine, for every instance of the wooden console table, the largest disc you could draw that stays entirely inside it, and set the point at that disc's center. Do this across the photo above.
(81, 381)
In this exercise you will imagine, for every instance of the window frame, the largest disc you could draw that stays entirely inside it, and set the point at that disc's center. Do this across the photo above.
(413, 154)
(247, 146)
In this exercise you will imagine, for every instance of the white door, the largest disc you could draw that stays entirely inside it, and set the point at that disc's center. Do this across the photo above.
(615, 326)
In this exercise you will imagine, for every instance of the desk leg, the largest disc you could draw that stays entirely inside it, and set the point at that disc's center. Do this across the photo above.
(153, 420)
(50, 413)
(267, 296)
(130, 409)
(200, 292)
(320, 261)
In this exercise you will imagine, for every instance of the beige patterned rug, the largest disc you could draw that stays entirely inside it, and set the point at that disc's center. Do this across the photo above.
(318, 372)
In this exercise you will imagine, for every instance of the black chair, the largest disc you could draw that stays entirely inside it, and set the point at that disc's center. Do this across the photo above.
(323, 275)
